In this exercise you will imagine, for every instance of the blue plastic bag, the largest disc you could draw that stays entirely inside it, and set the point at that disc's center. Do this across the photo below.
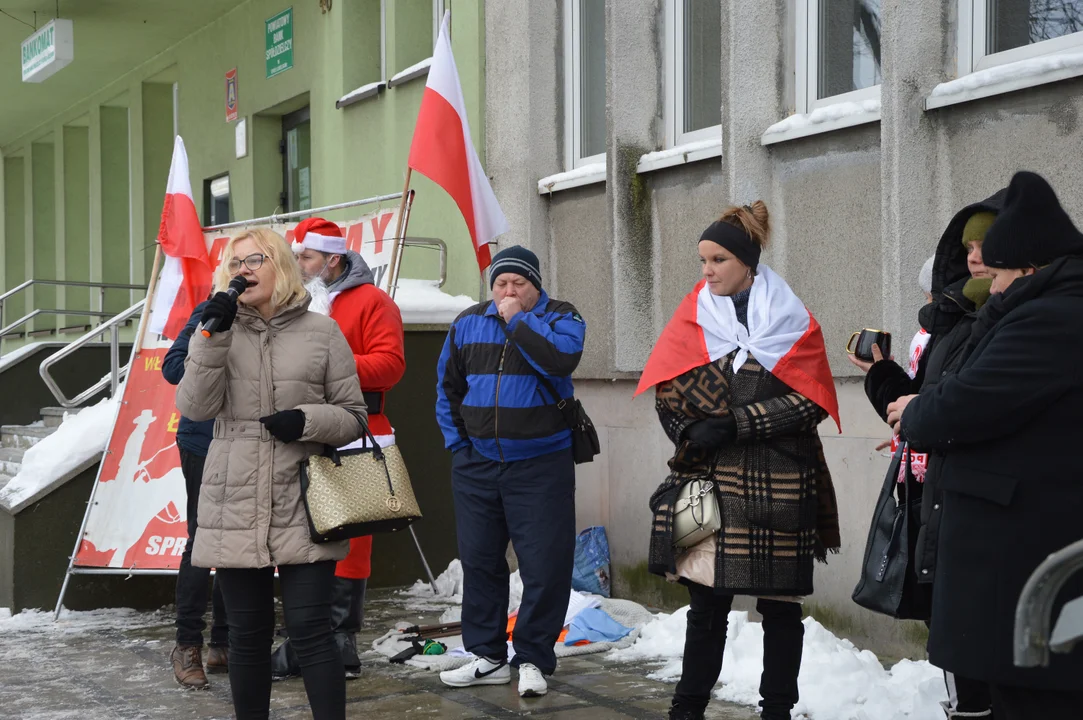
(594, 625)
(591, 571)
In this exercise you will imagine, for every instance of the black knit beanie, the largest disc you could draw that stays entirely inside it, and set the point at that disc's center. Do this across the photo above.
(1032, 230)
(516, 259)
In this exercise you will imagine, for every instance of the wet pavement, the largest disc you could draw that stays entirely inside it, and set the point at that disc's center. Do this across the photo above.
(111, 666)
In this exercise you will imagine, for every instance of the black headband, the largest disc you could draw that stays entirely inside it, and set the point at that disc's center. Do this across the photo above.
(734, 239)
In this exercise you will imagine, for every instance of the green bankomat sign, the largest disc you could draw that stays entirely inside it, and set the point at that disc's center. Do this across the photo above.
(280, 43)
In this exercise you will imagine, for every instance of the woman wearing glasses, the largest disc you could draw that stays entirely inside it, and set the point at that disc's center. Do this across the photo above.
(280, 382)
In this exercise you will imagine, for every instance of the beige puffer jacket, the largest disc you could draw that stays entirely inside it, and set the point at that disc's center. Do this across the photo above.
(251, 513)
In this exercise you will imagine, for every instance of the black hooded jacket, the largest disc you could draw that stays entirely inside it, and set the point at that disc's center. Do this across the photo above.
(948, 321)
(1006, 426)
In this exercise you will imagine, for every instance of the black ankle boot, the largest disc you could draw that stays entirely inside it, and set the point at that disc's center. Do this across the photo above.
(676, 712)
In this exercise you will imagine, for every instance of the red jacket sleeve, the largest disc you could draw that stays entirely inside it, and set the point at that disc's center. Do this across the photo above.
(384, 361)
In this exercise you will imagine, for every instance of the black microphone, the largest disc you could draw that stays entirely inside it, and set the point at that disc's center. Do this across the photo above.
(236, 286)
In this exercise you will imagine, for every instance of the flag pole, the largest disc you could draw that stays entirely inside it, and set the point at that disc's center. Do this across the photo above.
(151, 287)
(396, 248)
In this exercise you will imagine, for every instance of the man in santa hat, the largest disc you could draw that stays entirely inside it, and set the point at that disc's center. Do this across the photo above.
(343, 286)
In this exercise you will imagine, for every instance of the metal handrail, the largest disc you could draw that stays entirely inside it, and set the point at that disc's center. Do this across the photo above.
(112, 326)
(1034, 611)
(100, 312)
(431, 242)
(10, 329)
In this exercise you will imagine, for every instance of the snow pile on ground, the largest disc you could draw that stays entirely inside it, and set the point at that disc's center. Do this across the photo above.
(450, 596)
(79, 621)
(81, 437)
(837, 681)
(422, 301)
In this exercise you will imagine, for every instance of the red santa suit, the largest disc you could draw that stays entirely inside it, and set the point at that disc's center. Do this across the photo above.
(372, 324)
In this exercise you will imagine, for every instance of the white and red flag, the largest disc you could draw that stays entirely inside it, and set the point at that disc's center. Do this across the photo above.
(782, 335)
(443, 151)
(185, 280)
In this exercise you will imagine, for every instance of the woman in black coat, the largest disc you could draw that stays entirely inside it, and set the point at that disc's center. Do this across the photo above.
(1008, 425)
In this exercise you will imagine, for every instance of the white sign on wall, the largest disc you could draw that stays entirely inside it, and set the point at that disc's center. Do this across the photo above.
(49, 49)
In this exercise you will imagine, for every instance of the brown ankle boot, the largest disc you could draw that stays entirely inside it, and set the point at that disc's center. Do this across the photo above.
(188, 666)
(217, 659)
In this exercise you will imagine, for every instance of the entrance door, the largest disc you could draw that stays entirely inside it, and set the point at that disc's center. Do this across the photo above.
(296, 160)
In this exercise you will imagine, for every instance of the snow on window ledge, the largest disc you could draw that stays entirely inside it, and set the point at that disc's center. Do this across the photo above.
(680, 155)
(362, 93)
(824, 119)
(1006, 78)
(584, 175)
(413, 72)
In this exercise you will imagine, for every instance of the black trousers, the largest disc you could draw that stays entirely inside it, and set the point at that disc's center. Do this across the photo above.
(192, 582)
(306, 602)
(532, 502)
(1019, 703)
(705, 643)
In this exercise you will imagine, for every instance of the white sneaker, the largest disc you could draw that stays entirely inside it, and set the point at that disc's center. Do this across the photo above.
(480, 672)
(531, 681)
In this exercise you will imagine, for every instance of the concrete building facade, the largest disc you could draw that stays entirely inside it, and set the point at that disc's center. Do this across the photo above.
(864, 125)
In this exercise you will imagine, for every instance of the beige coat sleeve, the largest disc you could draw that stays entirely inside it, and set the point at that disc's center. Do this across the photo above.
(202, 391)
(339, 421)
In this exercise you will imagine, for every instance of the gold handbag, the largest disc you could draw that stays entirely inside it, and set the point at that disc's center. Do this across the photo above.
(351, 493)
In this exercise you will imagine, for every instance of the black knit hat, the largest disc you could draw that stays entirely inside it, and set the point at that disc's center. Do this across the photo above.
(1032, 230)
(516, 259)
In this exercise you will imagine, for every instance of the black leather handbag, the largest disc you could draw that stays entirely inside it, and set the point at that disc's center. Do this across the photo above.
(888, 583)
(585, 443)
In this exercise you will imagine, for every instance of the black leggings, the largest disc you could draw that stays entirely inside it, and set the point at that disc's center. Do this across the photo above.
(306, 600)
(705, 643)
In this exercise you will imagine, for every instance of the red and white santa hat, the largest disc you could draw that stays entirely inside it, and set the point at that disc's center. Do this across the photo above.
(319, 235)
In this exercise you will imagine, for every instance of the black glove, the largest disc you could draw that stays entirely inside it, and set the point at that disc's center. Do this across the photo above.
(223, 307)
(712, 433)
(286, 425)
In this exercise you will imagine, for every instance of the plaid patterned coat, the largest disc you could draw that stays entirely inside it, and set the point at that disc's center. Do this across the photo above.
(775, 492)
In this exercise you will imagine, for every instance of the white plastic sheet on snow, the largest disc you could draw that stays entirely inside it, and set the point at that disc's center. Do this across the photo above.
(837, 682)
(450, 586)
(79, 438)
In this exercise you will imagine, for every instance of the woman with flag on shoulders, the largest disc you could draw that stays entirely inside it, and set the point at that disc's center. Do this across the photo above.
(741, 383)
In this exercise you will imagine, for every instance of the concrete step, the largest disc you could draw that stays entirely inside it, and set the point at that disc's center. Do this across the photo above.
(4, 480)
(23, 436)
(11, 459)
(53, 416)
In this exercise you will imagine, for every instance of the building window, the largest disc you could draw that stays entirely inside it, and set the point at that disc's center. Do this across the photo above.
(216, 201)
(838, 52)
(693, 71)
(997, 32)
(584, 82)
(297, 161)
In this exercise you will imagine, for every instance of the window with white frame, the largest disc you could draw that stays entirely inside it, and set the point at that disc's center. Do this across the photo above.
(997, 32)
(838, 52)
(693, 71)
(584, 82)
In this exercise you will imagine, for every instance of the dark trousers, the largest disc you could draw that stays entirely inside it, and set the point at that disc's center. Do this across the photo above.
(532, 502)
(1018, 703)
(705, 643)
(192, 582)
(306, 602)
(967, 695)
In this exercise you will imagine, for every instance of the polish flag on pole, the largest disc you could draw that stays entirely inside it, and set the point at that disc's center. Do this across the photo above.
(185, 280)
(443, 151)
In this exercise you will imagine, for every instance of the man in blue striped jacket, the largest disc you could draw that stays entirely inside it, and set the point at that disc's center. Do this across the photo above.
(512, 469)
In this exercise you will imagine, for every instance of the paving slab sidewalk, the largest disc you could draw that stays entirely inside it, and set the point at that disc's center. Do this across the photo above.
(107, 672)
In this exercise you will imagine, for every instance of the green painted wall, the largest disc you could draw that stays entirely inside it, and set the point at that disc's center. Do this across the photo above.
(113, 179)
(14, 234)
(43, 172)
(77, 220)
(357, 151)
(157, 154)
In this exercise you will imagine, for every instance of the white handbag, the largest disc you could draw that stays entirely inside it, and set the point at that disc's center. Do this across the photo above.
(695, 514)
